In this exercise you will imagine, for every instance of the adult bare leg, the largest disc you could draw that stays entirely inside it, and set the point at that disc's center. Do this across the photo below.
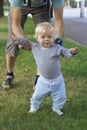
(10, 61)
(8, 82)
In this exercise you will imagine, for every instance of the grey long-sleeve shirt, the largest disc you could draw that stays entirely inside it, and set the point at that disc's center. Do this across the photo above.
(48, 60)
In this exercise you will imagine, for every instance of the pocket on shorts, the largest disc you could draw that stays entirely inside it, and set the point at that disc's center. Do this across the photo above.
(11, 48)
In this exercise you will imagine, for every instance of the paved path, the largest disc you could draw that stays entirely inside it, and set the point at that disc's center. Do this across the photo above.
(74, 12)
(76, 27)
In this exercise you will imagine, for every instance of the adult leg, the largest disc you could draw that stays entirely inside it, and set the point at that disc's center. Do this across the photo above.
(10, 61)
(8, 82)
(11, 53)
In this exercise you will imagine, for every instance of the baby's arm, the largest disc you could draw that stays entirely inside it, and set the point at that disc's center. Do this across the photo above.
(74, 51)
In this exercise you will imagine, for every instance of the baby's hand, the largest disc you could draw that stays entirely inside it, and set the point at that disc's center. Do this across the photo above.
(74, 51)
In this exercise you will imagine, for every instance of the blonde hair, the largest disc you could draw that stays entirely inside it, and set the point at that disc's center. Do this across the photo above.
(44, 28)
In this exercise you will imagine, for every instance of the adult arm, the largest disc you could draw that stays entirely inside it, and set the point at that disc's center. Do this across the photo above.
(59, 25)
(58, 20)
(16, 28)
(58, 16)
(16, 17)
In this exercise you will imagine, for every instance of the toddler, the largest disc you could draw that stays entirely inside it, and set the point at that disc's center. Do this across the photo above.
(51, 80)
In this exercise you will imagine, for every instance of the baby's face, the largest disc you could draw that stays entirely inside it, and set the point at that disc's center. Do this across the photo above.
(45, 40)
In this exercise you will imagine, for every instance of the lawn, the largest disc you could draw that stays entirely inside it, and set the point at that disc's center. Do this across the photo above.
(14, 103)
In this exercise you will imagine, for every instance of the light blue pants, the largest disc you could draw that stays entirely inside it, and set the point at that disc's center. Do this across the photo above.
(56, 89)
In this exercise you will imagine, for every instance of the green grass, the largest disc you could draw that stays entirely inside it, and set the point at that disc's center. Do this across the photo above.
(14, 104)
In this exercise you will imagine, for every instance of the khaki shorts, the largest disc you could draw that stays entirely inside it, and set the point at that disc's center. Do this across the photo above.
(11, 48)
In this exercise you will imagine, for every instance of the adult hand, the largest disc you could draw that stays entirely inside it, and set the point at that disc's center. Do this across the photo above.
(22, 42)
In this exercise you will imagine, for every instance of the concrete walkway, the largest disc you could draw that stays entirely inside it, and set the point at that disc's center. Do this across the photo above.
(75, 27)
